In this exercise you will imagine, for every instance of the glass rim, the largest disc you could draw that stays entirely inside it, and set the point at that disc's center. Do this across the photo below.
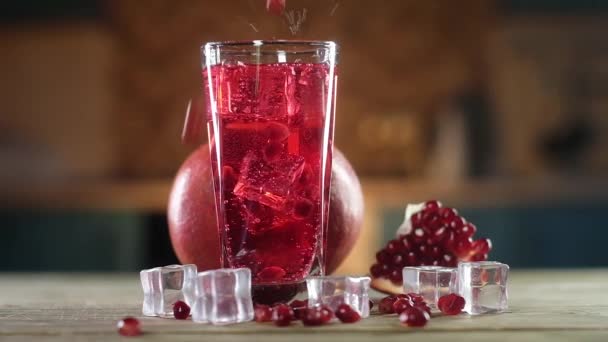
(278, 42)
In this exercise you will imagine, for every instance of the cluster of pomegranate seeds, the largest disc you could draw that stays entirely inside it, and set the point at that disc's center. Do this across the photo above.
(129, 326)
(282, 315)
(411, 308)
(317, 316)
(414, 317)
(346, 314)
(438, 237)
(181, 310)
(451, 304)
(262, 313)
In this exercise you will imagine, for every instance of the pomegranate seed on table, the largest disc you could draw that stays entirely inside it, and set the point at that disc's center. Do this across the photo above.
(346, 314)
(282, 315)
(262, 313)
(181, 310)
(401, 304)
(299, 307)
(326, 314)
(414, 317)
(451, 304)
(386, 305)
(129, 326)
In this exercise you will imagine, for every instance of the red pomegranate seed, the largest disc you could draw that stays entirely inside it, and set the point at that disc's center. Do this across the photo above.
(478, 257)
(275, 7)
(376, 270)
(129, 326)
(415, 298)
(383, 257)
(462, 247)
(262, 313)
(396, 276)
(468, 230)
(432, 205)
(422, 306)
(401, 304)
(393, 247)
(346, 314)
(451, 304)
(416, 220)
(414, 317)
(457, 223)
(299, 307)
(481, 246)
(282, 315)
(386, 305)
(399, 261)
(448, 213)
(181, 310)
(316, 316)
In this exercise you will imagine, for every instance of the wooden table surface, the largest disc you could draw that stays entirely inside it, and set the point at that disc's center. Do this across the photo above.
(544, 306)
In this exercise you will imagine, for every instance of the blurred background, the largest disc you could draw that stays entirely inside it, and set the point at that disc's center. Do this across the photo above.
(498, 108)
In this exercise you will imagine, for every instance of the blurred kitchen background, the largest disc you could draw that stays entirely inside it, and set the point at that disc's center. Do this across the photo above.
(498, 108)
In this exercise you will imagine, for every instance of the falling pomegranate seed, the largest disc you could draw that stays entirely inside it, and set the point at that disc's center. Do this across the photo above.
(181, 310)
(317, 316)
(282, 315)
(129, 326)
(386, 305)
(451, 304)
(414, 317)
(276, 7)
(346, 314)
(262, 313)
(299, 307)
(401, 304)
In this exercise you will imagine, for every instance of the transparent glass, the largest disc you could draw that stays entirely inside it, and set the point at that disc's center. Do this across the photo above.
(270, 117)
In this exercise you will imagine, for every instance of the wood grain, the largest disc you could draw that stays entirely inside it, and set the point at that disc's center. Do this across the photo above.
(545, 306)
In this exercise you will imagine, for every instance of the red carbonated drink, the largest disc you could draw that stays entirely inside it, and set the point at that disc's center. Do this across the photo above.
(270, 118)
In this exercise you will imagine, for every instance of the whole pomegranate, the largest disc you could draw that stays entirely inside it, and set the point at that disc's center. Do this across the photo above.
(192, 220)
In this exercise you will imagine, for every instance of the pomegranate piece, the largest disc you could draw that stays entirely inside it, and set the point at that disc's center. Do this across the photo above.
(282, 315)
(451, 304)
(386, 305)
(181, 310)
(422, 306)
(276, 7)
(129, 326)
(262, 313)
(414, 317)
(434, 236)
(316, 316)
(346, 314)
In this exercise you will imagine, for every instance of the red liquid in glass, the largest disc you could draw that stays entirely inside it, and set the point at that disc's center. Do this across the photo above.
(270, 192)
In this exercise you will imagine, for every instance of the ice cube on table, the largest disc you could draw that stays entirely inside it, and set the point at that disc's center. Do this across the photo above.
(163, 286)
(483, 285)
(336, 290)
(223, 296)
(268, 182)
(431, 282)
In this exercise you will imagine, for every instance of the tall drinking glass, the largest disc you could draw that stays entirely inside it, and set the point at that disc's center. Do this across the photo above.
(270, 117)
